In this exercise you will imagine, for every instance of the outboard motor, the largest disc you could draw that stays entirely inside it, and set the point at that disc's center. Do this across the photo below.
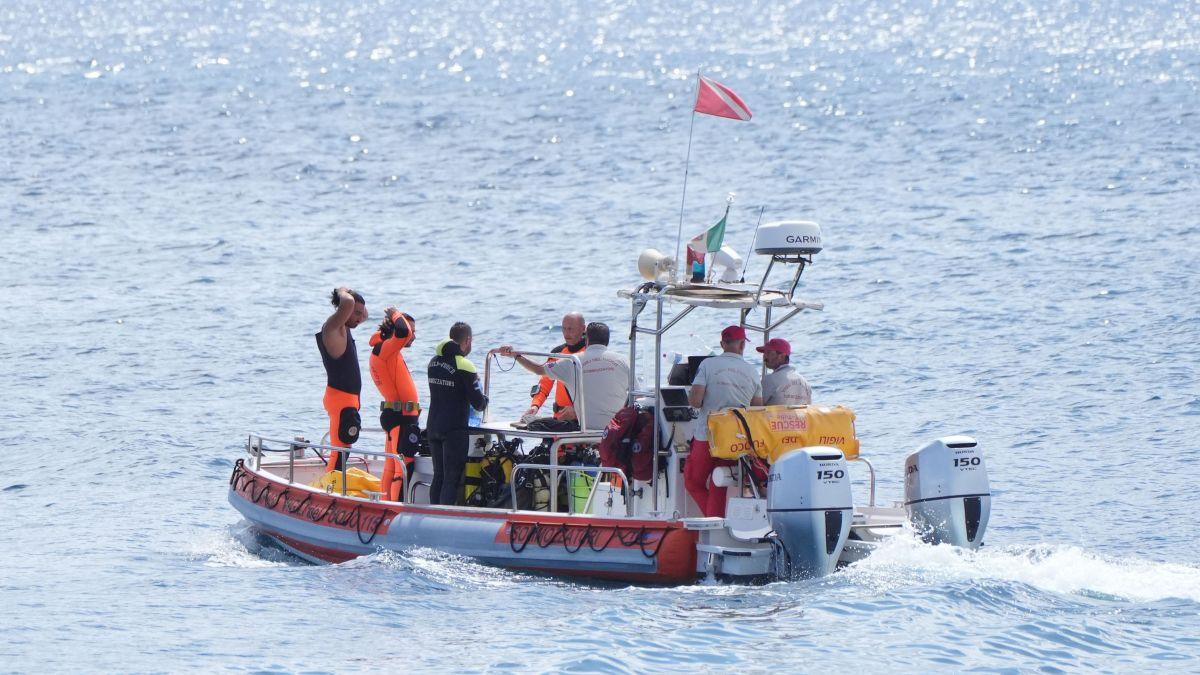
(946, 492)
(810, 508)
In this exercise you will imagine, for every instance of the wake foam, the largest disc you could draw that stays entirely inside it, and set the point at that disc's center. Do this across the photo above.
(239, 546)
(441, 570)
(905, 561)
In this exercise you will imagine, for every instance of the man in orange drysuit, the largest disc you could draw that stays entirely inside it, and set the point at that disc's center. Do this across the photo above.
(400, 408)
(573, 343)
(343, 379)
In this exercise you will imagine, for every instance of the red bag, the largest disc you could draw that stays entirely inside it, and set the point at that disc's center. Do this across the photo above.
(628, 443)
(614, 443)
(641, 450)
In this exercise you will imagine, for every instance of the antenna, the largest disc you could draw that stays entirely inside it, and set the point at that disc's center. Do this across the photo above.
(761, 211)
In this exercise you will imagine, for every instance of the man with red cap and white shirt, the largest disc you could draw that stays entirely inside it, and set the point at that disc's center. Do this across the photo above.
(723, 381)
(783, 385)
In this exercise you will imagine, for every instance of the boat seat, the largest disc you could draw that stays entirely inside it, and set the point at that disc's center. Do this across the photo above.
(747, 518)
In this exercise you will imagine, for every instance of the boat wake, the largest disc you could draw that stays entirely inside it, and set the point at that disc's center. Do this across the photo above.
(904, 562)
(239, 545)
(440, 570)
(899, 564)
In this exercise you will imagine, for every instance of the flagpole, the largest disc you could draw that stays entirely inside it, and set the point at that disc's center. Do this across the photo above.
(708, 269)
(686, 164)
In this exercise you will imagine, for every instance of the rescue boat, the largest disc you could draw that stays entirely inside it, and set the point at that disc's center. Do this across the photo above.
(541, 501)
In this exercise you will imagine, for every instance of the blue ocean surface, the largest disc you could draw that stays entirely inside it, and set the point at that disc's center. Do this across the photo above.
(1008, 193)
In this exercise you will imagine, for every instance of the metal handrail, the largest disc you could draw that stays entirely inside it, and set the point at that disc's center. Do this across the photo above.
(643, 296)
(555, 468)
(871, 468)
(576, 399)
(255, 450)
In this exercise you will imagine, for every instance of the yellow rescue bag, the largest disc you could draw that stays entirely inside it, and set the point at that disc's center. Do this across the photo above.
(774, 430)
(358, 482)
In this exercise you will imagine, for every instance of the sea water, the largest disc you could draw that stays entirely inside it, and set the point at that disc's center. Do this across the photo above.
(1008, 194)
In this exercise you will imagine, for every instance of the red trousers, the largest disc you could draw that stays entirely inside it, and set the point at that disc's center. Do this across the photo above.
(697, 478)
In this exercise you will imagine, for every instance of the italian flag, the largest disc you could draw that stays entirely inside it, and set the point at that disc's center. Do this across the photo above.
(706, 242)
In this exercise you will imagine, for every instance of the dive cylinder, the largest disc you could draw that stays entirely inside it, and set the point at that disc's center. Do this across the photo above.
(946, 492)
(810, 506)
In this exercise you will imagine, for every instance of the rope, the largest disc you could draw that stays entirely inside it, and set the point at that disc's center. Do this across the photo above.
(271, 505)
(584, 538)
(661, 538)
(513, 536)
(323, 513)
(496, 358)
(611, 534)
(237, 472)
(299, 505)
(265, 491)
(378, 523)
(546, 535)
(263, 497)
(345, 521)
(519, 534)
(545, 543)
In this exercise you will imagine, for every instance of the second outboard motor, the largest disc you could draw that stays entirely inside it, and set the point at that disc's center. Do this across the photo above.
(810, 508)
(946, 492)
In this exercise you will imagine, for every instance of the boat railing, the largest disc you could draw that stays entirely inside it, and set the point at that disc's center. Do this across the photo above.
(554, 470)
(871, 469)
(577, 396)
(256, 447)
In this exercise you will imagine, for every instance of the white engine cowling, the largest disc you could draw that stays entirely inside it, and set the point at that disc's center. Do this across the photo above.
(809, 505)
(946, 492)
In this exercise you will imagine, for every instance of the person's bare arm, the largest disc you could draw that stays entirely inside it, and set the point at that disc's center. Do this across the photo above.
(696, 395)
(333, 331)
(535, 368)
(757, 400)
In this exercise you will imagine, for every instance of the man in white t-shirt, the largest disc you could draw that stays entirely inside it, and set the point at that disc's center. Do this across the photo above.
(605, 378)
(783, 385)
(723, 381)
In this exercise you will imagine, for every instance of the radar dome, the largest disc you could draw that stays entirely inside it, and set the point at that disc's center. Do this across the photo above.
(788, 237)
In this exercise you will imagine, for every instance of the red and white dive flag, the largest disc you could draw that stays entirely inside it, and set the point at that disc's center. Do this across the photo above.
(714, 98)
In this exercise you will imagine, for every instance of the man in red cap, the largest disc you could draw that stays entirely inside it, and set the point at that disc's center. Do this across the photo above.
(723, 381)
(783, 385)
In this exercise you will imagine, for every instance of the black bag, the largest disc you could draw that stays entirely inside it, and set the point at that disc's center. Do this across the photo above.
(553, 425)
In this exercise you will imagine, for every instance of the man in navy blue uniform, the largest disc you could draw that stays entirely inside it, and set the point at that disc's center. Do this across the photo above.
(453, 390)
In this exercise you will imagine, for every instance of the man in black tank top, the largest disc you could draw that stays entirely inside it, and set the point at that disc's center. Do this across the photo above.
(343, 379)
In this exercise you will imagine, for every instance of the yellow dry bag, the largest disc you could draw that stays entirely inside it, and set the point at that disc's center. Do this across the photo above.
(358, 482)
(773, 430)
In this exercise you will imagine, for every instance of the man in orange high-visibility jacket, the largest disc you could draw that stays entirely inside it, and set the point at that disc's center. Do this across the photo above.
(573, 343)
(400, 408)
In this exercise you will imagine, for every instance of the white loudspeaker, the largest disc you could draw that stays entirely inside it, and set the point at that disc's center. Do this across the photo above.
(654, 266)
